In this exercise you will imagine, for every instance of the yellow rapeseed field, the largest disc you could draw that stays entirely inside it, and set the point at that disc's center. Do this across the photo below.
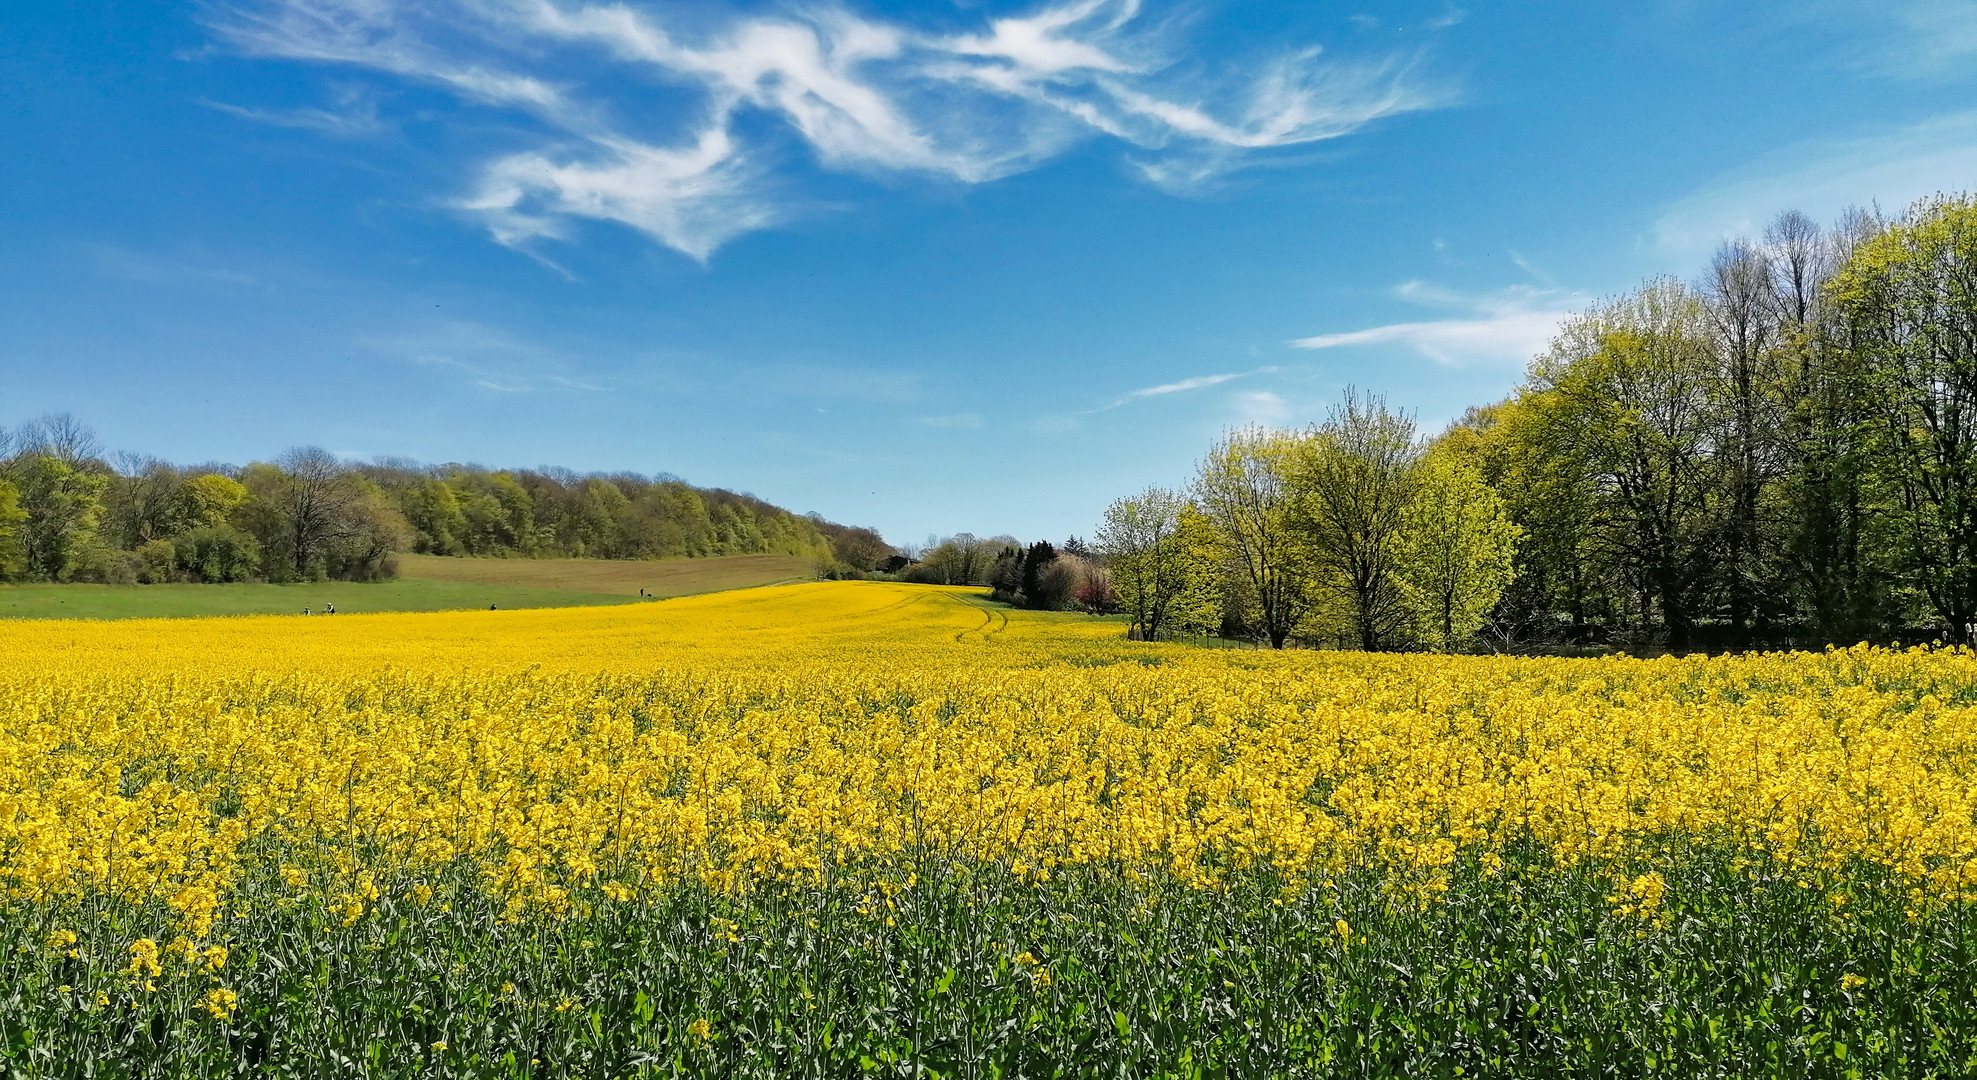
(589, 752)
(568, 762)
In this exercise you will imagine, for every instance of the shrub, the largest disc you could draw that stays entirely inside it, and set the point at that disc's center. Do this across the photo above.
(156, 561)
(101, 564)
(218, 553)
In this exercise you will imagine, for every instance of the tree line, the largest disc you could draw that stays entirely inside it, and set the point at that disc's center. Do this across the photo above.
(1353, 532)
(1042, 576)
(69, 512)
(1782, 452)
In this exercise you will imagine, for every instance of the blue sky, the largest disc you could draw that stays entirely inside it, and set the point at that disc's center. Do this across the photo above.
(929, 267)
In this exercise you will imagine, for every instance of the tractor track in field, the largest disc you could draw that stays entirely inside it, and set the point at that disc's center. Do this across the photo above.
(993, 622)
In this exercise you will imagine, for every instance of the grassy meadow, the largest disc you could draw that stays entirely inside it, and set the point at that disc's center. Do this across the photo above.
(659, 577)
(426, 583)
(870, 829)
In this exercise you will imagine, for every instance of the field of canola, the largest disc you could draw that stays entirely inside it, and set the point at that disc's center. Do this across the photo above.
(862, 829)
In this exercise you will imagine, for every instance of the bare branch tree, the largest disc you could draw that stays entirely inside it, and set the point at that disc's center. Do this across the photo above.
(317, 500)
(60, 435)
(1739, 297)
(1801, 261)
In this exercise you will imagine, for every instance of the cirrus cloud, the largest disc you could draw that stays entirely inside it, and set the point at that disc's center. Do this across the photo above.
(634, 121)
(1499, 328)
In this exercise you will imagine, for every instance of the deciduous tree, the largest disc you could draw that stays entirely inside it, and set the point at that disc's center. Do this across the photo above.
(13, 551)
(63, 504)
(1244, 488)
(1908, 299)
(1630, 402)
(1150, 562)
(1458, 550)
(1355, 479)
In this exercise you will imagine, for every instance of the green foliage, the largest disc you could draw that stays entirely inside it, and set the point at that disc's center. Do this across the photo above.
(1037, 560)
(961, 559)
(62, 504)
(854, 550)
(309, 516)
(1458, 551)
(157, 561)
(1786, 456)
(205, 501)
(1355, 477)
(1339, 534)
(13, 548)
(1196, 607)
(370, 534)
(464, 511)
(1036, 577)
(1908, 299)
(1161, 562)
(956, 968)
(217, 553)
(1246, 489)
(498, 517)
(1629, 390)
(433, 510)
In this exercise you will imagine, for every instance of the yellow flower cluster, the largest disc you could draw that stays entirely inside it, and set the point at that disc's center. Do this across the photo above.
(572, 757)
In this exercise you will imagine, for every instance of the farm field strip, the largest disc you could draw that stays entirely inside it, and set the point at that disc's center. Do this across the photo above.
(188, 601)
(428, 583)
(859, 828)
(662, 577)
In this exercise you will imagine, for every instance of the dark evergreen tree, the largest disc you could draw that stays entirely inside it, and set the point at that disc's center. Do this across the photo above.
(1035, 562)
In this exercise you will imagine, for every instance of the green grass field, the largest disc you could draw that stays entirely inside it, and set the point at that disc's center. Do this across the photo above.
(428, 583)
(189, 601)
(664, 577)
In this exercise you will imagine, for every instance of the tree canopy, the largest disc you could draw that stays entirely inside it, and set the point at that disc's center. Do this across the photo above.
(69, 514)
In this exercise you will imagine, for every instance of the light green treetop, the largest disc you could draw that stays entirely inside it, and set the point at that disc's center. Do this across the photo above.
(1458, 551)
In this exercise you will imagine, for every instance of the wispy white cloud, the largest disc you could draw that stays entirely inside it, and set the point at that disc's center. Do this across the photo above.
(1261, 407)
(1182, 386)
(864, 95)
(350, 113)
(1823, 178)
(957, 420)
(355, 115)
(692, 199)
(505, 382)
(1508, 326)
(1529, 267)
